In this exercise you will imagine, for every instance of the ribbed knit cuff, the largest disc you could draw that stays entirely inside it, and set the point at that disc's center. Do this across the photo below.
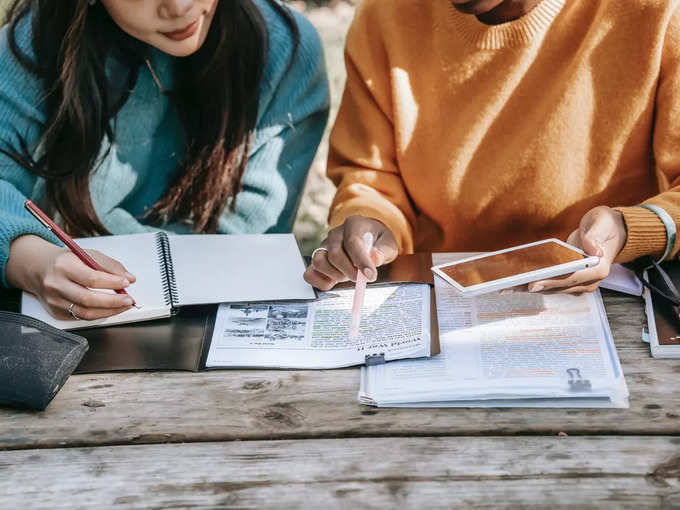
(646, 234)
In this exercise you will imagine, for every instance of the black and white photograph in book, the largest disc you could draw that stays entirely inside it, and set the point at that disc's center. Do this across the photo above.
(247, 321)
(287, 321)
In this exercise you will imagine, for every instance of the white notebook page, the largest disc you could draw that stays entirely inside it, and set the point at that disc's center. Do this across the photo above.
(229, 268)
(138, 253)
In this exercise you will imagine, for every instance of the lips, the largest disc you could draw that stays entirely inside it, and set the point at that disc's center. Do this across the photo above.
(183, 33)
(476, 6)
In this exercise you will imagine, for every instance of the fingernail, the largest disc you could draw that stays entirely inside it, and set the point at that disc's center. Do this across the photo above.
(369, 273)
(126, 283)
(130, 277)
(127, 301)
(536, 288)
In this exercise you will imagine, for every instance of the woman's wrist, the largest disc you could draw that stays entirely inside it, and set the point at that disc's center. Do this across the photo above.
(669, 224)
(645, 234)
(28, 258)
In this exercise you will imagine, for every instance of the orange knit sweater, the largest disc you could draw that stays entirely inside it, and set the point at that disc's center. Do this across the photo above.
(465, 137)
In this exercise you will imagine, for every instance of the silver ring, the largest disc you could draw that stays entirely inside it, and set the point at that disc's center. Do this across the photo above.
(73, 314)
(321, 248)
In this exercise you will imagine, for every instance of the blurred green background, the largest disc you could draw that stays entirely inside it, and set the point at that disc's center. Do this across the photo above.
(331, 19)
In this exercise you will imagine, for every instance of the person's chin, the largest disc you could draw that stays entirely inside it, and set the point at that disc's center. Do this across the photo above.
(476, 7)
(182, 48)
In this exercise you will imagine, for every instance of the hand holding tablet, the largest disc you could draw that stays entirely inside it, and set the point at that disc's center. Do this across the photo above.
(515, 266)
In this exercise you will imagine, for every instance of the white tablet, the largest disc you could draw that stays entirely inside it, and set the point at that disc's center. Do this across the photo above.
(503, 269)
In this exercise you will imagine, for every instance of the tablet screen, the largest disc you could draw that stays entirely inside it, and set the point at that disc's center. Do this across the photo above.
(510, 263)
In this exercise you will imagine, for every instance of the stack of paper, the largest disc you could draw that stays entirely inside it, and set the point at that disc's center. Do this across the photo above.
(508, 349)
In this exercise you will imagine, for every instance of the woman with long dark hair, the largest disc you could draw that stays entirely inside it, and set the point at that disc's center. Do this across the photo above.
(121, 116)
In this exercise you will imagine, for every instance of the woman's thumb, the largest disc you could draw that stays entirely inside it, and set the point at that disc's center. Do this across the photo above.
(385, 249)
(593, 239)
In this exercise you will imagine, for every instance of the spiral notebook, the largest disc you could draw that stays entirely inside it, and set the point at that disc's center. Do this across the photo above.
(177, 270)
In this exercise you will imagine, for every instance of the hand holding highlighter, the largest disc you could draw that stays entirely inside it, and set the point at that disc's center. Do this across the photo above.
(519, 265)
(359, 291)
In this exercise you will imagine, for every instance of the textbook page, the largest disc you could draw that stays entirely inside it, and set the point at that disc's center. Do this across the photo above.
(507, 346)
(395, 322)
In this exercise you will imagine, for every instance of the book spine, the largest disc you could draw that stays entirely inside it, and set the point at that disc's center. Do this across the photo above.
(170, 291)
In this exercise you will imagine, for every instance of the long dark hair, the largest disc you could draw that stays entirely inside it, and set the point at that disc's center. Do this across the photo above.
(72, 41)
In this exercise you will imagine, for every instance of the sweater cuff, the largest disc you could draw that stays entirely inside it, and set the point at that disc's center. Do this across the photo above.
(394, 220)
(646, 234)
(15, 230)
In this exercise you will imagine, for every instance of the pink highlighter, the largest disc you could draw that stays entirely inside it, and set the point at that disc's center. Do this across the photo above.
(359, 291)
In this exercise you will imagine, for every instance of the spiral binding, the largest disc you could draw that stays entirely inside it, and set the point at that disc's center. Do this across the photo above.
(170, 292)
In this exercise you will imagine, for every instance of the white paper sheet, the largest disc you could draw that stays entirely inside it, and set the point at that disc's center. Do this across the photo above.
(229, 268)
(395, 322)
(622, 279)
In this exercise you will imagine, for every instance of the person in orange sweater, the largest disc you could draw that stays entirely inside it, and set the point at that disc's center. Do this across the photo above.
(477, 125)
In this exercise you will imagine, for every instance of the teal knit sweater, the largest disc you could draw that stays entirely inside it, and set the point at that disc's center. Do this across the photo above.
(149, 142)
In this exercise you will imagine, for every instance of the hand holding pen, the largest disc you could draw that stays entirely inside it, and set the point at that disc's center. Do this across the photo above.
(343, 252)
(62, 278)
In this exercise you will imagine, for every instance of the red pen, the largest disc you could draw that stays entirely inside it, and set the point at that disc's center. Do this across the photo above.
(70, 243)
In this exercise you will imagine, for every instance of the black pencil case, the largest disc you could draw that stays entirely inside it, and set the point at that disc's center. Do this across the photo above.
(35, 360)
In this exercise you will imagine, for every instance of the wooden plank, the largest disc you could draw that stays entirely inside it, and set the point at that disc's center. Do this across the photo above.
(626, 316)
(626, 472)
(140, 408)
(217, 406)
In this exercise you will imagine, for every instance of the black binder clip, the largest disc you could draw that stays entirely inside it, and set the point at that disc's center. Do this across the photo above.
(576, 382)
(375, 359)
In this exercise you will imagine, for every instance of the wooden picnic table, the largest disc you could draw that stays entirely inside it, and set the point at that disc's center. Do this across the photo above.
(290, 439)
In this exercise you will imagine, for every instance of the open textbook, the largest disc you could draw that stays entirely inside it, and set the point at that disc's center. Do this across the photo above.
(508, 349)
(396, 323)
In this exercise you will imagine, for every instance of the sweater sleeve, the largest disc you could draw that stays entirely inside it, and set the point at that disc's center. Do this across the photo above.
(362, 160)
(646, 232)
(21, 117)
(294, 105)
